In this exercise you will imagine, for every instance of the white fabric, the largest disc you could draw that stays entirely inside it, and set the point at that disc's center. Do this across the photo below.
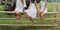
(45, 11)
(32, 11)
(42, 4)
(19, 6)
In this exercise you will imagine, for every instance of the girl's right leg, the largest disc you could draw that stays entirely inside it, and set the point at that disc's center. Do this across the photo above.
(30, 18)
(42, 17)
(18, 15)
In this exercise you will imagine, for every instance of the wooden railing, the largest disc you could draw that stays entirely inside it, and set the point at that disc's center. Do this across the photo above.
(53, 19)
(6, 2)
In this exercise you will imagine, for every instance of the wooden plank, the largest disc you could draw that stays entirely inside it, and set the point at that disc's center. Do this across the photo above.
(7, 12)
(25, 18)
(0, 2)
(8, 18)
(12, 19)
(57, 27)
(58, 20)
(48, 25)
(58, 14)
(50, 18)
(13, 12)
(51, 12)
(12, 2)
(6, 2)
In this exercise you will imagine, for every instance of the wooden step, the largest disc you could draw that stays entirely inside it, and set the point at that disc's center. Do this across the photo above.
(7, 12)
(6, 2)
(50, 18)
(8, 18)
(12, 19)
(57, 27)
(13, 12)
(26, 18)
(48, 25)
(51, 12)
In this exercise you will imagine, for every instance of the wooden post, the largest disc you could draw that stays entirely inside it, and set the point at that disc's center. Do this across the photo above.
(12, 2)
(55, 16)
(57, 7)
(0, 2)
(5, 2)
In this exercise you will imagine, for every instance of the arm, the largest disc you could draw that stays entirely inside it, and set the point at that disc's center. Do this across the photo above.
(36, 5)
(22, 1)
(42, 12)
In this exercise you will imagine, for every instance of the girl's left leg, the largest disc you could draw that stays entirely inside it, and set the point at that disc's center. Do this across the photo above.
(30, 18)
(18, 15)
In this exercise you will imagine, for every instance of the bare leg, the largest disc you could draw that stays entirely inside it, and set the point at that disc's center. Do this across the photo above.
(18, 15)
(31, 20)
(42, 17)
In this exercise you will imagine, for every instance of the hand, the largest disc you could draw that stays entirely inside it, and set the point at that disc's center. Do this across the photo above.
(41, 13)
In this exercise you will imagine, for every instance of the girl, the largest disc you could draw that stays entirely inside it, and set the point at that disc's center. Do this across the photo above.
(31, 11)
(20, 4)
(43, 9)
(43, 6)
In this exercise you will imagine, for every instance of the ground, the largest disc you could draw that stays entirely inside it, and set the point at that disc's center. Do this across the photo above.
(51, 7)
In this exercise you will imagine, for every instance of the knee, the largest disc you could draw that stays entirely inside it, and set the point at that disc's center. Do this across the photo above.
(17, 13)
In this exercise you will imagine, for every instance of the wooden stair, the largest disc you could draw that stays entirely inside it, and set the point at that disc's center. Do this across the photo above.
(14, 12)
(58, 27)
(47, 25)
(25, 18)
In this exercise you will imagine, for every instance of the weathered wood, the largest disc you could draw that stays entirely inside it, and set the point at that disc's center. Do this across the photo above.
(51, 18)
(48, 25)
(25, 18)
(7, 12)
(8, 18)
(57, 27)
(0, 2)
(58, 14)
(55, 16)
(12, 3)
(13, 12)
(6, 2)
(51, 12)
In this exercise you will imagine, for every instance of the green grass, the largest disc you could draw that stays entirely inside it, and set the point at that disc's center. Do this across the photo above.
(2, 7)
(51, 7)
(24, 22)
(24, 28)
